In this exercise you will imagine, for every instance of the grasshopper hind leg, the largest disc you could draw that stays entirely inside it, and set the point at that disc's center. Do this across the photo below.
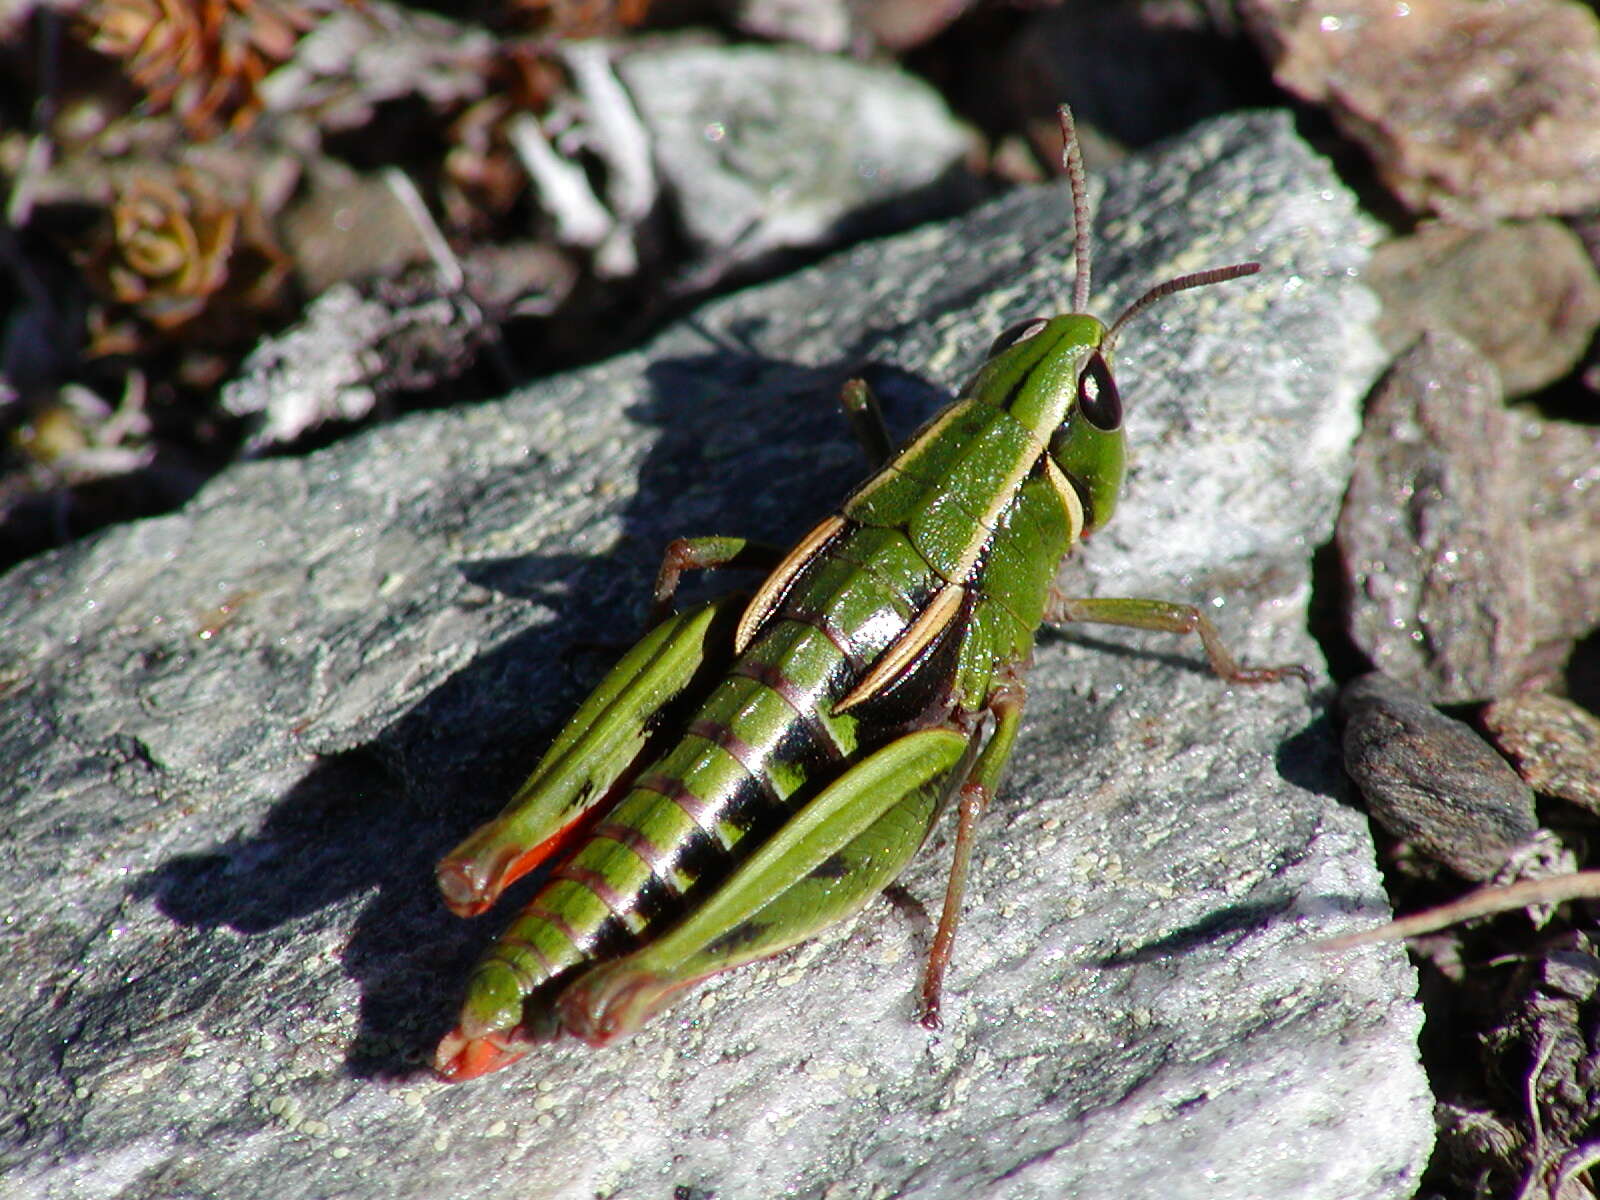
(977, 790)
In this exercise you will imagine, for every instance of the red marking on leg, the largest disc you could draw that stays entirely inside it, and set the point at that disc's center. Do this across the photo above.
(460, 1058)
(472, 883)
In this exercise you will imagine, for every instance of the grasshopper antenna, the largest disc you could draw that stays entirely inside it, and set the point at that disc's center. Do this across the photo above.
(1180, 284)
(1072, 160)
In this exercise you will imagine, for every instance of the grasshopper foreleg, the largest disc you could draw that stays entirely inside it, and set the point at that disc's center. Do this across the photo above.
(1167, 616)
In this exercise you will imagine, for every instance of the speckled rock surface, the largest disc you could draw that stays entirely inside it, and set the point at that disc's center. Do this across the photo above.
(1440, 588)
(762, 149)
(233, 740)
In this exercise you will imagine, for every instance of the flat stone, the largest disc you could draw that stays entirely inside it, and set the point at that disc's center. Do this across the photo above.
(1472, 111)
(1557, 466)
(1554, 742)
(1432, 781)
(236, 738)
(1524, 293)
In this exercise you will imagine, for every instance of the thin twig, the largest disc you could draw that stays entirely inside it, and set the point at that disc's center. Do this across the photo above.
(564, 191)
(622, 141)
(1541, 1056)
(444, 259)
(1579, 885)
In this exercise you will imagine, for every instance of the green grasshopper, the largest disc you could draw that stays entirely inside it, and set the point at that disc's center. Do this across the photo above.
(757, 769)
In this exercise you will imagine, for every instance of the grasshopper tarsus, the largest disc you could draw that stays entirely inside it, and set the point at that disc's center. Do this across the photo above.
(1272, 674)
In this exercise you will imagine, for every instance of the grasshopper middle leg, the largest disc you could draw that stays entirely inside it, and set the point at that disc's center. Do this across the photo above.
(1168, 617)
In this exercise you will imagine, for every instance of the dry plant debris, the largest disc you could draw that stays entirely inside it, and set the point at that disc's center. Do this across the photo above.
(201, 58)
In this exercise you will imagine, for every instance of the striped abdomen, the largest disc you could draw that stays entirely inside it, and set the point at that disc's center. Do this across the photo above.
(757, 747)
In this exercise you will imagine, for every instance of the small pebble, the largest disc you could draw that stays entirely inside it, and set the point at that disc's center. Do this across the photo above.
(1554, 742)
(1433, 782)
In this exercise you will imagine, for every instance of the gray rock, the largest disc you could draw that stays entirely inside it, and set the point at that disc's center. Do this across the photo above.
(234, 739)
(825, 25)
(1440, 591)
(1432, 781)
(771, 149)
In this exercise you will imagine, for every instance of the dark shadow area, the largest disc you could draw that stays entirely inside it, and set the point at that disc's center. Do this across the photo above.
(1309, 759)
(1187, 656)
(1329, 618)
(373, 821)
(1233, 920)
(1583, 672)
(1225, 922)
(1305, 759)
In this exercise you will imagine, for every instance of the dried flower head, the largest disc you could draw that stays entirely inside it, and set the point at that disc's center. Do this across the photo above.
(171, 239)
(176, 242)
(202, 58)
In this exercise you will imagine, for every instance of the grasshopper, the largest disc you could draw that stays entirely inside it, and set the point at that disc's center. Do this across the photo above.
(758, 768)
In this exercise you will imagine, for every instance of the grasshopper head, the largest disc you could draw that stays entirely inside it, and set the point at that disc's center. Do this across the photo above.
(1055, 372)
(1052, 375)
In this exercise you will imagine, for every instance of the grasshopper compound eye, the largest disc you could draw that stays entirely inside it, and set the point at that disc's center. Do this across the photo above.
(1098, 400)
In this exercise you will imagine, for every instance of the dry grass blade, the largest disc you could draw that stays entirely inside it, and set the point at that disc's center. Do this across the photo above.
(1579, 885)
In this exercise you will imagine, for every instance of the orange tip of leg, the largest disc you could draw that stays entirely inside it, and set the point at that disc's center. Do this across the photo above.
(460, 1058)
